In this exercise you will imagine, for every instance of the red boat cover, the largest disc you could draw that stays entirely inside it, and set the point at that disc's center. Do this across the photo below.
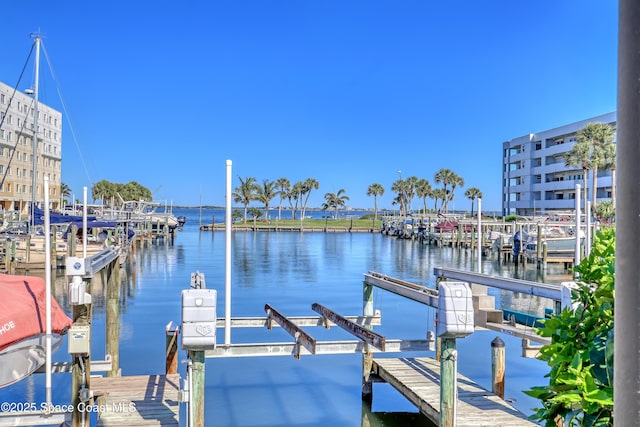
(23, 309)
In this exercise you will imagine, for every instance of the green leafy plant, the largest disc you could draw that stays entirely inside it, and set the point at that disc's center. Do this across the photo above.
(580, 390)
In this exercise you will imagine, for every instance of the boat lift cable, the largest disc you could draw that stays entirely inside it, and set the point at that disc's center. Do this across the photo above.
(66, 112)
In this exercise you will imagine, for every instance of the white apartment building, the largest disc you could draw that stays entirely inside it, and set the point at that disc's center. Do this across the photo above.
(535, 179)
(16, 151)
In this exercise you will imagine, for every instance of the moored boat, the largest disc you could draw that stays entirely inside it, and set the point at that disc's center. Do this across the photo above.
(23, 326)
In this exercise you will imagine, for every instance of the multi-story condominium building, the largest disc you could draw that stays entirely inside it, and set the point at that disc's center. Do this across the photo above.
(16, 151)
(535, 178)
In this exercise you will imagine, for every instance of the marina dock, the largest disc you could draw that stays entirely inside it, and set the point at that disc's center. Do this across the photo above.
(418, 379)
(144, 400)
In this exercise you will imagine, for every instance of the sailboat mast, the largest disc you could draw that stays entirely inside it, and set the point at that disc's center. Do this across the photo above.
(34, 181)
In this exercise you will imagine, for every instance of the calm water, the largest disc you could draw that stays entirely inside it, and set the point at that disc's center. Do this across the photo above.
(291, 271)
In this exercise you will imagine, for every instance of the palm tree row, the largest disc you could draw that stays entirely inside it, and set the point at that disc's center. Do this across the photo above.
(407, 189)
(297, 195)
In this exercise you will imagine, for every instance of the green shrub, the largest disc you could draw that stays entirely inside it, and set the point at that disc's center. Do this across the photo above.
(580, 390)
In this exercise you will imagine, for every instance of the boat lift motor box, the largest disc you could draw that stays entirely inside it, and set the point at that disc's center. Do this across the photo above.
(455, 310)
(199, 319)
(79, 339)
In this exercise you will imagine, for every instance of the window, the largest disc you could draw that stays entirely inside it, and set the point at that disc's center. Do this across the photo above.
(538, 145)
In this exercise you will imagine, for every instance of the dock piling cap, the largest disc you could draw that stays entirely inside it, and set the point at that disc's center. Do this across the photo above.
(497, 342)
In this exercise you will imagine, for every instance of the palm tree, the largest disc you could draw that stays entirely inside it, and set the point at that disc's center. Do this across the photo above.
(65, 191)
(438, 194)
(308, 185)
(456, 181)
(424, 190)
(265, 193)
(411, 183)
(245, 193)
(473, 193)
(375, 190)
(284, 186)
(400, 188)
(610, 164)
(446, 177)
(335, 201)
(580, 156)
(597, 136)
(295, 195)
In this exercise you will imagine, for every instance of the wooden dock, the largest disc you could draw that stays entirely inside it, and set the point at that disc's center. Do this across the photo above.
(145, 400)
(418, 379)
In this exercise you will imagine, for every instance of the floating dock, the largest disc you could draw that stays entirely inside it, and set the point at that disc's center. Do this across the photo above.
(418, 379)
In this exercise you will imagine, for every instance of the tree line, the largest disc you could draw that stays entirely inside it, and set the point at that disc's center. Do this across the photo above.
(297, 195)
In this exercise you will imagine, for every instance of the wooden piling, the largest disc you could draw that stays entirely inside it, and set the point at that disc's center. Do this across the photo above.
(497, 367)
(197, 387)
(367, 356)
(448, 382)
(171, 349)
(112, 320)
(71, 240)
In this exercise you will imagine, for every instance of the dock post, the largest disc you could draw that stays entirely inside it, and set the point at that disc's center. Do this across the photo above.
(473, 237)
(197, 387)
(367, 356)
(497, 367)
(28, 248)
(7, 255)
(171, 349)
(71, 240)
(544, 255)
(112, 320)
(539, 246)
(448, 382)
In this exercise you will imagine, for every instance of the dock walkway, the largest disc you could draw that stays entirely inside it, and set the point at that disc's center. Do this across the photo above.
(418, 379)
(144, 400)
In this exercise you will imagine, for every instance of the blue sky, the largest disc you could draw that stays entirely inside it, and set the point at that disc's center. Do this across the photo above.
(346, 92)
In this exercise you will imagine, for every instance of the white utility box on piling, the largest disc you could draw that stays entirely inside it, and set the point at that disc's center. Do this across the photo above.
(199, 319)
(455, 310)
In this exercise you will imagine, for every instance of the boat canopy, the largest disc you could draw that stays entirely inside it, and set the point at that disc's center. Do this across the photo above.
(23, 310)
(57, 218)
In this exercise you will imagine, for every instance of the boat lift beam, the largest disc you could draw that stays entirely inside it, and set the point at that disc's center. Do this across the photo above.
(367, 335)
(403, 288)
(97, 262)
(322, 348)
(301, 337)
(261, 322)
(543, 290)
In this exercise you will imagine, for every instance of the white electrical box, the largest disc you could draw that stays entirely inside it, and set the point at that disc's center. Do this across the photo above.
(199, 319)
(455, 310)
(79, 338)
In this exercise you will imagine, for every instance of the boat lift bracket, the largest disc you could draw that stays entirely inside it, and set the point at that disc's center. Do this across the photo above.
(367, 335)
(300, 336)
(403, 288)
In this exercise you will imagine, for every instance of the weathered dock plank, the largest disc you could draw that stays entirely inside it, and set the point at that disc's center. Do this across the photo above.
(144, 400)
(418, 379)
